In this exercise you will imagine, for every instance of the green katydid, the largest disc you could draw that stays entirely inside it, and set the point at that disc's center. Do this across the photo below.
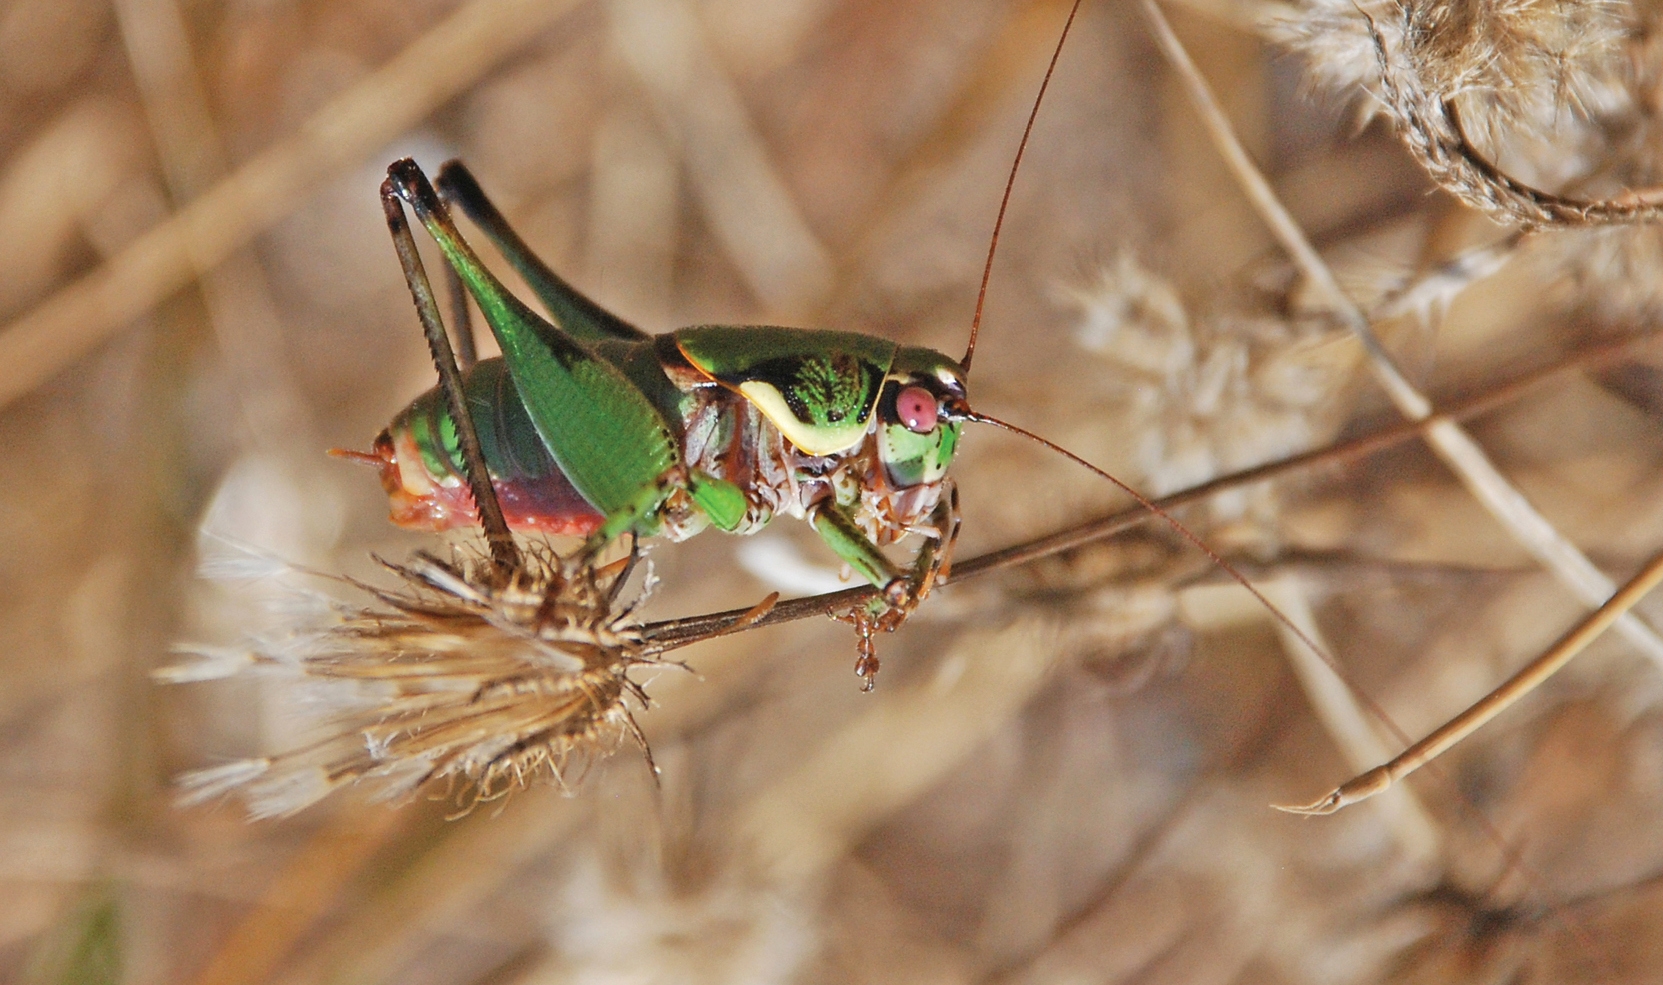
(589, 426)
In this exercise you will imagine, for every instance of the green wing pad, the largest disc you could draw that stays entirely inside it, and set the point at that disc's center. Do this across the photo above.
(817, 387)
(606, 436)
(640, 362)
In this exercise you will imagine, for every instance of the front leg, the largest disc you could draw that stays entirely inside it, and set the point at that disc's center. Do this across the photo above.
(902, 590)
(935, 558)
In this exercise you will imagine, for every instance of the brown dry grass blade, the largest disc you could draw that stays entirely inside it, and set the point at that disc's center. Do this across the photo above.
(350, 128)
(309, 885)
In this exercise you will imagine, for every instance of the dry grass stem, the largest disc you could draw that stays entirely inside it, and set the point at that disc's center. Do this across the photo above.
(883, 758)
(1344, 718)
(439, 887)
(1025, 40)
(1529, 677)
(1433, 290)
(748, 204)
(246, 325)
(267, 188)
(1430, 119)
(310, 883)
(1514, 75)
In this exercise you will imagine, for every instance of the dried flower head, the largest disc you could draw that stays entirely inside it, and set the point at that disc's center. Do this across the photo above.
(1522, 57)
(452, 679)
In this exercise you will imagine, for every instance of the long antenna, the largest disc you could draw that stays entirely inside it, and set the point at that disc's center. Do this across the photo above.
(1010, 182)
(1229, 569)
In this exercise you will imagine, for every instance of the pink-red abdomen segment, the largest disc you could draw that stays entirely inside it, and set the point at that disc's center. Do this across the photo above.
(421, 471)
(420, 501)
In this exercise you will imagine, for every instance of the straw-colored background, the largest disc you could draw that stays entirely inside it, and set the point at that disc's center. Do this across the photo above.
(1065, 773)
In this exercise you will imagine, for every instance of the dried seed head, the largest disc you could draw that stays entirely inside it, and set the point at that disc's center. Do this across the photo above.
(1512, 51)
(1511, 105)
(1521, 56)
(452, 679)
(1502, 98)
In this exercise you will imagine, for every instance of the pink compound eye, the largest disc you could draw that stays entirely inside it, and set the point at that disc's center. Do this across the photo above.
(915, 406)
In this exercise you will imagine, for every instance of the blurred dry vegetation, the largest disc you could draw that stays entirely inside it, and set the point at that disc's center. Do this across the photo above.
(1065, 772)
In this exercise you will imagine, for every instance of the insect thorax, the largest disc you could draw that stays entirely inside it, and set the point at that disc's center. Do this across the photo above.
(725, 436)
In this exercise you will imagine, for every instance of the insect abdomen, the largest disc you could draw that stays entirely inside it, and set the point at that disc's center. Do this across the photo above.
(421, 463)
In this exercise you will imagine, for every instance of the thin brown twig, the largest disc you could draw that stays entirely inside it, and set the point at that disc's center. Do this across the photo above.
(671, 634)
(1360, 744)
(1527, 679)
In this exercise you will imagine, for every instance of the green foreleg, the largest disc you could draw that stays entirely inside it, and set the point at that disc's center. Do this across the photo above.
(901, 589)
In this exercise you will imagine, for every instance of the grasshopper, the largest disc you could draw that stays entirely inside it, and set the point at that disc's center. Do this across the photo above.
(588, 426)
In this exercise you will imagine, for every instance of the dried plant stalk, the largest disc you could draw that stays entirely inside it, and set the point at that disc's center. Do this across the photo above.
(310, 881)
(1382, 778)
(1344, 717)
(1430, 119)
(748, 203)
(1517, 71)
